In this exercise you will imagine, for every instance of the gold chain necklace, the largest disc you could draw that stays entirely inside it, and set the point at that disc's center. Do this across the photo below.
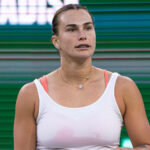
(80, 86)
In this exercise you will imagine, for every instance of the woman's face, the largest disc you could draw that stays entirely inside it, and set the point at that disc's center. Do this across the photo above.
(76, 34)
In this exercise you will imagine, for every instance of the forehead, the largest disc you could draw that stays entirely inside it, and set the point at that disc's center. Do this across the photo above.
(78, 17)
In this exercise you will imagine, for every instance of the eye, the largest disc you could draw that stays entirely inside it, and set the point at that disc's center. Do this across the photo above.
(88, 27)
(71, 29)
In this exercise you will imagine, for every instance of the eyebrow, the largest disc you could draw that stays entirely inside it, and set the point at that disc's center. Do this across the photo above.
(75, 25)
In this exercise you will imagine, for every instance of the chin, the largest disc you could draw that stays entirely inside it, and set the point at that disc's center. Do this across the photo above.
(83, 56)
(85, 53)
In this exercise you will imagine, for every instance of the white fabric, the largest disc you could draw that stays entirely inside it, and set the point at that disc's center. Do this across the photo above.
(93, 127)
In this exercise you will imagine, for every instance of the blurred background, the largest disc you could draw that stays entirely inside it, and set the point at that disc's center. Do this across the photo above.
(26, 50)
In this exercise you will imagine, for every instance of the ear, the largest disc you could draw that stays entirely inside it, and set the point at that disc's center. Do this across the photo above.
(55, 41)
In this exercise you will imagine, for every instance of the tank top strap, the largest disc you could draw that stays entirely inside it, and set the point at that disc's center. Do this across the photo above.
(43, 81)
(106, 77)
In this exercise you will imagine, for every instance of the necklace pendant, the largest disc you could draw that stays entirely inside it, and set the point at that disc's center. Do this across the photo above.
(80, 86)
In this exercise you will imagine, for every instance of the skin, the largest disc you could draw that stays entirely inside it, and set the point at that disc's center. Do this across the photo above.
(82, 32)
(76, 64)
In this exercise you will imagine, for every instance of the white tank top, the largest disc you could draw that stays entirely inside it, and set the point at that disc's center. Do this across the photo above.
(93, 127)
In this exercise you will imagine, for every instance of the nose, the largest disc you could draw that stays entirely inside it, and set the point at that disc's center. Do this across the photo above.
(82, 35)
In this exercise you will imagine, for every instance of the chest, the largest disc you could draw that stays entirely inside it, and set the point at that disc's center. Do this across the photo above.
(69, 96)
(96, 124)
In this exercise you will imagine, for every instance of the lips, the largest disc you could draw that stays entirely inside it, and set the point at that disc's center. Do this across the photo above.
(84, 46)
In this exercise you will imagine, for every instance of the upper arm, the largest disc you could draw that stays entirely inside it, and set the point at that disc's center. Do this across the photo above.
(24, 123)
(135, 118)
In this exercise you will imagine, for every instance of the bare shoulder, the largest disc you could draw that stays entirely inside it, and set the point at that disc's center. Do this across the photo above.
(28, 91)
(28, 88)
(128, 88)
(125, 81)
(27, 98)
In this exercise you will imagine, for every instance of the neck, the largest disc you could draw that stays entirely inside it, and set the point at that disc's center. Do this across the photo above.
(76, 73)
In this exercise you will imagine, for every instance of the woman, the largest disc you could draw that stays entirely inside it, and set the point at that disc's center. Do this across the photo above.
(78, 106)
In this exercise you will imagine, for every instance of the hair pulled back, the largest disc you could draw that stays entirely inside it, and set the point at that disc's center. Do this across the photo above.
(55, 21)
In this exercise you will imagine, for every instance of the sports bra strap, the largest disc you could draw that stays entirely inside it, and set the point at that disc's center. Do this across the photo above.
(106, 77)
(43, 81)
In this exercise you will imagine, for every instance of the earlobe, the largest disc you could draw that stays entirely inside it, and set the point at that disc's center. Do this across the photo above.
(57, 46)
(55, 41)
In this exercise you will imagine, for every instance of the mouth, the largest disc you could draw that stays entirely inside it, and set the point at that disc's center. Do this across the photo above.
(83, 46)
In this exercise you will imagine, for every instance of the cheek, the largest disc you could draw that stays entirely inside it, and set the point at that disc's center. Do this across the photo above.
(67, 40)
(92, 37)
(93, 40)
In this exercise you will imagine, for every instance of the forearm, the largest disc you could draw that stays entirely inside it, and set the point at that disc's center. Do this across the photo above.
(142, 147)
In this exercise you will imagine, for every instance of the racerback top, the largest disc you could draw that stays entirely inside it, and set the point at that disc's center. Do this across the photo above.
(93, 127)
